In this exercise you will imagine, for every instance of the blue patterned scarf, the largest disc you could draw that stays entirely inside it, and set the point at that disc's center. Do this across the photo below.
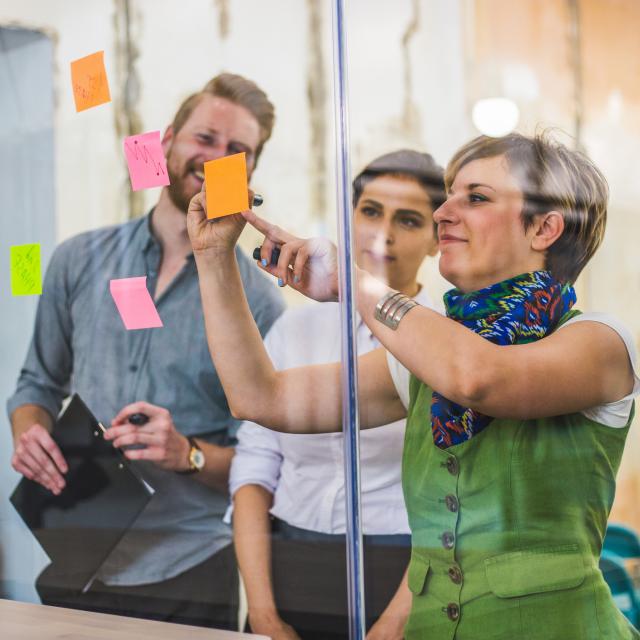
(516, 311)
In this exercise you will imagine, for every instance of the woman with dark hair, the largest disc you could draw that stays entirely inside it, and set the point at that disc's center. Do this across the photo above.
(288, 492)
(518, 406)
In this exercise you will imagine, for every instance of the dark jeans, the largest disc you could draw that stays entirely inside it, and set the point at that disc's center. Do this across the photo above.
(205, 596)
(310, 578)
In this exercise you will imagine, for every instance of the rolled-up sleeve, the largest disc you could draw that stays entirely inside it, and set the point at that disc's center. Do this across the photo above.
(44, 378)
(258, 458)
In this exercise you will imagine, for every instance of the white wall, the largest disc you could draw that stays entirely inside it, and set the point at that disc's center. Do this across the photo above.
(27, 216)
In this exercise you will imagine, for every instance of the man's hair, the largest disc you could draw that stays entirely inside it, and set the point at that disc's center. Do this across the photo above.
(404, 163)
(238, 90)
(552, 178)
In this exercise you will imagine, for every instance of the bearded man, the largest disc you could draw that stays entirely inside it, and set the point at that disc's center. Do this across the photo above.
(176, 563)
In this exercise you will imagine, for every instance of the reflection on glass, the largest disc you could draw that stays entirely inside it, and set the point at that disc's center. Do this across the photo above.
(495, 116)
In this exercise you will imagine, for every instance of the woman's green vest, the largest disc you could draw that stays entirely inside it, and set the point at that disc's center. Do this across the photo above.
(507, 529)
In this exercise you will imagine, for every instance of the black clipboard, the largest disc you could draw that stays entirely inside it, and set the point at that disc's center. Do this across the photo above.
(102, 497)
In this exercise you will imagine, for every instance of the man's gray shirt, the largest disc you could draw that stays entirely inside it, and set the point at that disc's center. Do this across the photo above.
(81, 345)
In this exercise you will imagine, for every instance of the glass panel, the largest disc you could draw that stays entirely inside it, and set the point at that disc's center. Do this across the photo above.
(349, 326)
(97, 338)
(506, 500)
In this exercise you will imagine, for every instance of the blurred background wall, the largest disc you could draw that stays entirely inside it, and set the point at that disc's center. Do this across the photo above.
(417, 70)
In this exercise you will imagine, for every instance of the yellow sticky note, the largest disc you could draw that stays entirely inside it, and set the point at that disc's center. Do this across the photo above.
(226, 183)
(25, 270)
(89, 81)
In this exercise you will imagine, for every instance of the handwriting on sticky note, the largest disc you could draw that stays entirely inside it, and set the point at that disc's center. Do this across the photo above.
(26, 279)
(146, 162)
(227, 190)
(89, 81)
(134, 303)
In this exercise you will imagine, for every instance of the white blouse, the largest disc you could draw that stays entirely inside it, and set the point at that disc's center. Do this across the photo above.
(305, 473)
(612, 414)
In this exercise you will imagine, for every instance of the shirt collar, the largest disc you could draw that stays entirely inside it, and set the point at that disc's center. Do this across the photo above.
(147, 240)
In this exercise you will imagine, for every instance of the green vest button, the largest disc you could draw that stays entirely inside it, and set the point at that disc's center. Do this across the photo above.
(455, 574)
(452, 610)
(452, 503)
(452, 466)
(448, 540)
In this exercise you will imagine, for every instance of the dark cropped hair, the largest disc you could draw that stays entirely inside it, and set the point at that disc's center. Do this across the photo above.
(404, 163)
(552, 178)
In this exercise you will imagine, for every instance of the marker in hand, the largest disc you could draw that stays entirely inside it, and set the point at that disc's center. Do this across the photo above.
(275, 255)
(138, 419)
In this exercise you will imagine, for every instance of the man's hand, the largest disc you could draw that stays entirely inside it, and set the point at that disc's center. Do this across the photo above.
(163, 443)
(37, 457)
(272, 625)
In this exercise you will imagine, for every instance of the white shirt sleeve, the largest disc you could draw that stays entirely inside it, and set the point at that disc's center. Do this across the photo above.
(257, 460)
(258, 456)
(613, 414)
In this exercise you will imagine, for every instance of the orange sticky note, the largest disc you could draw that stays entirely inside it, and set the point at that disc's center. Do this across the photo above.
(89, 81)
(227, 185)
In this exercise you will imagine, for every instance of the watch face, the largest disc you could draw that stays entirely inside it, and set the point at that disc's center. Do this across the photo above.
(196, 457)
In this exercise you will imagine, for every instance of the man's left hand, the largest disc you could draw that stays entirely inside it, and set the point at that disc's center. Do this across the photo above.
(162, 443)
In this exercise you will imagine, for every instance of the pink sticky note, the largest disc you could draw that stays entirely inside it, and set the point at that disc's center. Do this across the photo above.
(145, 158)
(134, 303)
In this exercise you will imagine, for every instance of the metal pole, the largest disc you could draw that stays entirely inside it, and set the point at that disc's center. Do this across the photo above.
(350, 419)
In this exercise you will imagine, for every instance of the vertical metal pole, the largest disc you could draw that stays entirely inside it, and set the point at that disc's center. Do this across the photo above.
(350, 420)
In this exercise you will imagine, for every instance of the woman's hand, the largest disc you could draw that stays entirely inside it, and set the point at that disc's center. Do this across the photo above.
(212, 236)
(270, 624)
(386, 628)
(309, 266)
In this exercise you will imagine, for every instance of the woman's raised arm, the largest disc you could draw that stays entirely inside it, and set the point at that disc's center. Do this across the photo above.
(573, 369)
(583, 365)
(301, 400)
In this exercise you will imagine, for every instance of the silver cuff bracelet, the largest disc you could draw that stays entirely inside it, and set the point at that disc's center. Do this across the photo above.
(392, 308)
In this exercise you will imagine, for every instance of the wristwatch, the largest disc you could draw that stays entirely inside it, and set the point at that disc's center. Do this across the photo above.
(196, 458)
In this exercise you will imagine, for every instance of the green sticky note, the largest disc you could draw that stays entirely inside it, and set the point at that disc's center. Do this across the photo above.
(25, 270)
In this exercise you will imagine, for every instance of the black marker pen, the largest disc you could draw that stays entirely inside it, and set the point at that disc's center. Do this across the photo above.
(275, 255)
(138, 419)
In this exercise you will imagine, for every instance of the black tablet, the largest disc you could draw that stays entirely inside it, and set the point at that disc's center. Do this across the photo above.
(102, 497)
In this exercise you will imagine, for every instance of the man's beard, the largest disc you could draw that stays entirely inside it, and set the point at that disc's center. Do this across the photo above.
(177, 189)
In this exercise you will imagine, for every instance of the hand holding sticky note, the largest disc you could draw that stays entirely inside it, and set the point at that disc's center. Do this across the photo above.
(134, 303)
(226, 185)
(146, 161)
(89, 81)
(25, 270)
